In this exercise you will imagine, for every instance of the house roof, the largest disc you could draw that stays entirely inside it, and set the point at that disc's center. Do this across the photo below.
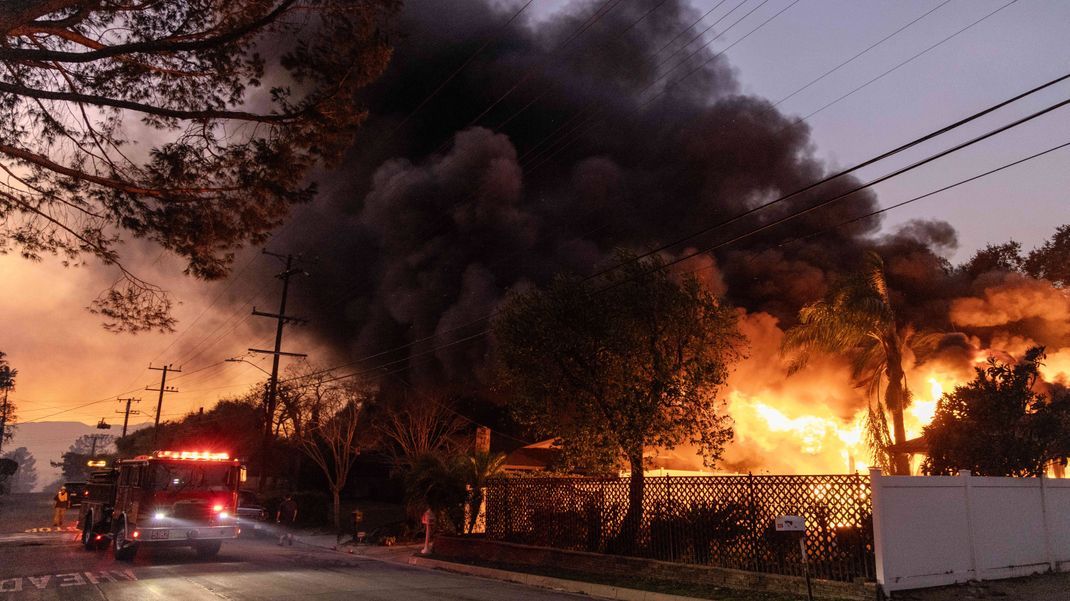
(532, 457)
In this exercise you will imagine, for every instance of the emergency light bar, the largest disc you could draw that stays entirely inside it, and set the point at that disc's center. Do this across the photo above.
(193, 455)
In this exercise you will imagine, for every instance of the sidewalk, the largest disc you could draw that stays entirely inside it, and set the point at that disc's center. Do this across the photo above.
(398, 554)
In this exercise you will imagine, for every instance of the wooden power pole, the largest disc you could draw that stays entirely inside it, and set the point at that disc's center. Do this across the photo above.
(162, 389)
(273, 384)
(128, 413)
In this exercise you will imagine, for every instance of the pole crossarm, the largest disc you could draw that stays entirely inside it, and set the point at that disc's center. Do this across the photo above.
(283, 353)
(285, 318)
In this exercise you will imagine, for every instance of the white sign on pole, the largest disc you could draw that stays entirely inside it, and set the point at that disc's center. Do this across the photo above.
(790, 523)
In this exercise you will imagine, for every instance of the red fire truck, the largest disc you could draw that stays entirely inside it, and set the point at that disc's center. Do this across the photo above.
(168, 498)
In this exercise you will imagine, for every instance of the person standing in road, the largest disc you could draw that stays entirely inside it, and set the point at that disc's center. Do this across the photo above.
(60, 503)
(286, 518)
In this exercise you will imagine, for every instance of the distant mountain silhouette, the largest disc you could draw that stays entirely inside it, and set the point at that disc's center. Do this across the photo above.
(47, 441)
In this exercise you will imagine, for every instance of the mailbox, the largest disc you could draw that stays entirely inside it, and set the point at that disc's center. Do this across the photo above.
(790, 523)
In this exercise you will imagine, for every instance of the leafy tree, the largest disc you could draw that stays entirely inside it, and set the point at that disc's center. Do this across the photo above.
(995, 257)
(857, 318)
(232, 426)
(7, 406)
(73, 462)
(635, 364)
(998, 425)
(7, 469)
(194, 124)
(1051, 260)
(437, 481)
(25, 478)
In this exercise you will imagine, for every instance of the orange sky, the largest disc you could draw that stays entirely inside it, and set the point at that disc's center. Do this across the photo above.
(65, 359)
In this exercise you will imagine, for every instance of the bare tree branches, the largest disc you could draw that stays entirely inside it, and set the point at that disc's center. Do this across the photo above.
(420, 428)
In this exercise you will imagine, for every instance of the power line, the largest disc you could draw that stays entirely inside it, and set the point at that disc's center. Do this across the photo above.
(868, 184)
(859, 54)
(903, 63)
(591, 121)
(857, 166)
(932, 193)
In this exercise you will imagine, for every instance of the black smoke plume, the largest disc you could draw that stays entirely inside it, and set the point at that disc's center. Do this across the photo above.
(434, 218)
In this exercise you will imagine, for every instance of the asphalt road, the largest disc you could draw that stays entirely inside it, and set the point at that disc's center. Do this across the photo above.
(54, 566)
(37, 562)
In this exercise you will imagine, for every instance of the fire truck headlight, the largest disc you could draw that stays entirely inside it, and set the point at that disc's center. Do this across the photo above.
(160, 515)
(223, 515)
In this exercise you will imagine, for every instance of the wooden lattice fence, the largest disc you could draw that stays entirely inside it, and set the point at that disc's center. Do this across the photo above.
(724, 521)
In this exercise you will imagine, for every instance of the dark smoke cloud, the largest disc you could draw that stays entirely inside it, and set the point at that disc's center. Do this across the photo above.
(414, 241)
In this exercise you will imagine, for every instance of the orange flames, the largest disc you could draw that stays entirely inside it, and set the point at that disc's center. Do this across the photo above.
(814, 421)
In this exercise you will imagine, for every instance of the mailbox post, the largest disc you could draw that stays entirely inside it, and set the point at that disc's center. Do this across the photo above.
(797, 524)
(428, 520)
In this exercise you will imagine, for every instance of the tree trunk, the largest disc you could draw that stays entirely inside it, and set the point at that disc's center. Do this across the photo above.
(895, 396)
(633, 519)
(337, 507)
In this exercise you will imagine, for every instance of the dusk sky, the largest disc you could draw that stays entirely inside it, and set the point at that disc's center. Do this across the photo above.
(65, 360)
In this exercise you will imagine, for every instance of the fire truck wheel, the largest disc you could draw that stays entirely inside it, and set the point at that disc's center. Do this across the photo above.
(88, 540)
(207, 550)
(124, 550)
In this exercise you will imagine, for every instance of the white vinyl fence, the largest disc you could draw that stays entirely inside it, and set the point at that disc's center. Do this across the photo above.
(938, 530)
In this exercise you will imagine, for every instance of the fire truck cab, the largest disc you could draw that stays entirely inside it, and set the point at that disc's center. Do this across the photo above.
(168, 498)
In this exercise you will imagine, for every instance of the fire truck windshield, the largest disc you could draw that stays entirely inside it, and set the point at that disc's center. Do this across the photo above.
(191, 476)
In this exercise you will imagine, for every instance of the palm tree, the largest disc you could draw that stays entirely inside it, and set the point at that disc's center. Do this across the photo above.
(857, 318)
(480, 466)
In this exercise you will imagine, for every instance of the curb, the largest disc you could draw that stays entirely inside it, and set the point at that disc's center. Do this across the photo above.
(604, 591)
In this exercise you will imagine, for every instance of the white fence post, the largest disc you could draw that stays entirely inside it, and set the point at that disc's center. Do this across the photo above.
(1045, 514)
(877, 488)
(967, 487)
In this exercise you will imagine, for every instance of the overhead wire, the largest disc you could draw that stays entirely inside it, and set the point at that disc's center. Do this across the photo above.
(840, 173)
(869, 184)
(904, 63)
(591, 123)
(864, 51)
(534, 163)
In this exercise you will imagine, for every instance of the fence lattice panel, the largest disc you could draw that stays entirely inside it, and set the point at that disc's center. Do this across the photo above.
(725, 521)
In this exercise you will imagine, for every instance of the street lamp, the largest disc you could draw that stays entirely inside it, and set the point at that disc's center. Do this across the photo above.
(244, 360)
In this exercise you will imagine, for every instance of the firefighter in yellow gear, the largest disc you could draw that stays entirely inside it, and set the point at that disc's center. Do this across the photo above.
(61, 502)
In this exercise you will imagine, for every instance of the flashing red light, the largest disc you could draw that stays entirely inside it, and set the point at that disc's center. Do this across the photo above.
(193, 455)
(136, 534)
(217, 508)
(99, 537)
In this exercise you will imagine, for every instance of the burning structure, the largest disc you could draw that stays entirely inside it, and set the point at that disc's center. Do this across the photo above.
(604, 126)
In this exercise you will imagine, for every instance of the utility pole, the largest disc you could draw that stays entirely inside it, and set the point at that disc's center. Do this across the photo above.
(162, 389)
(273, 385)
(128, 412)
(95, 438)
(7, 382)
(3, 419)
